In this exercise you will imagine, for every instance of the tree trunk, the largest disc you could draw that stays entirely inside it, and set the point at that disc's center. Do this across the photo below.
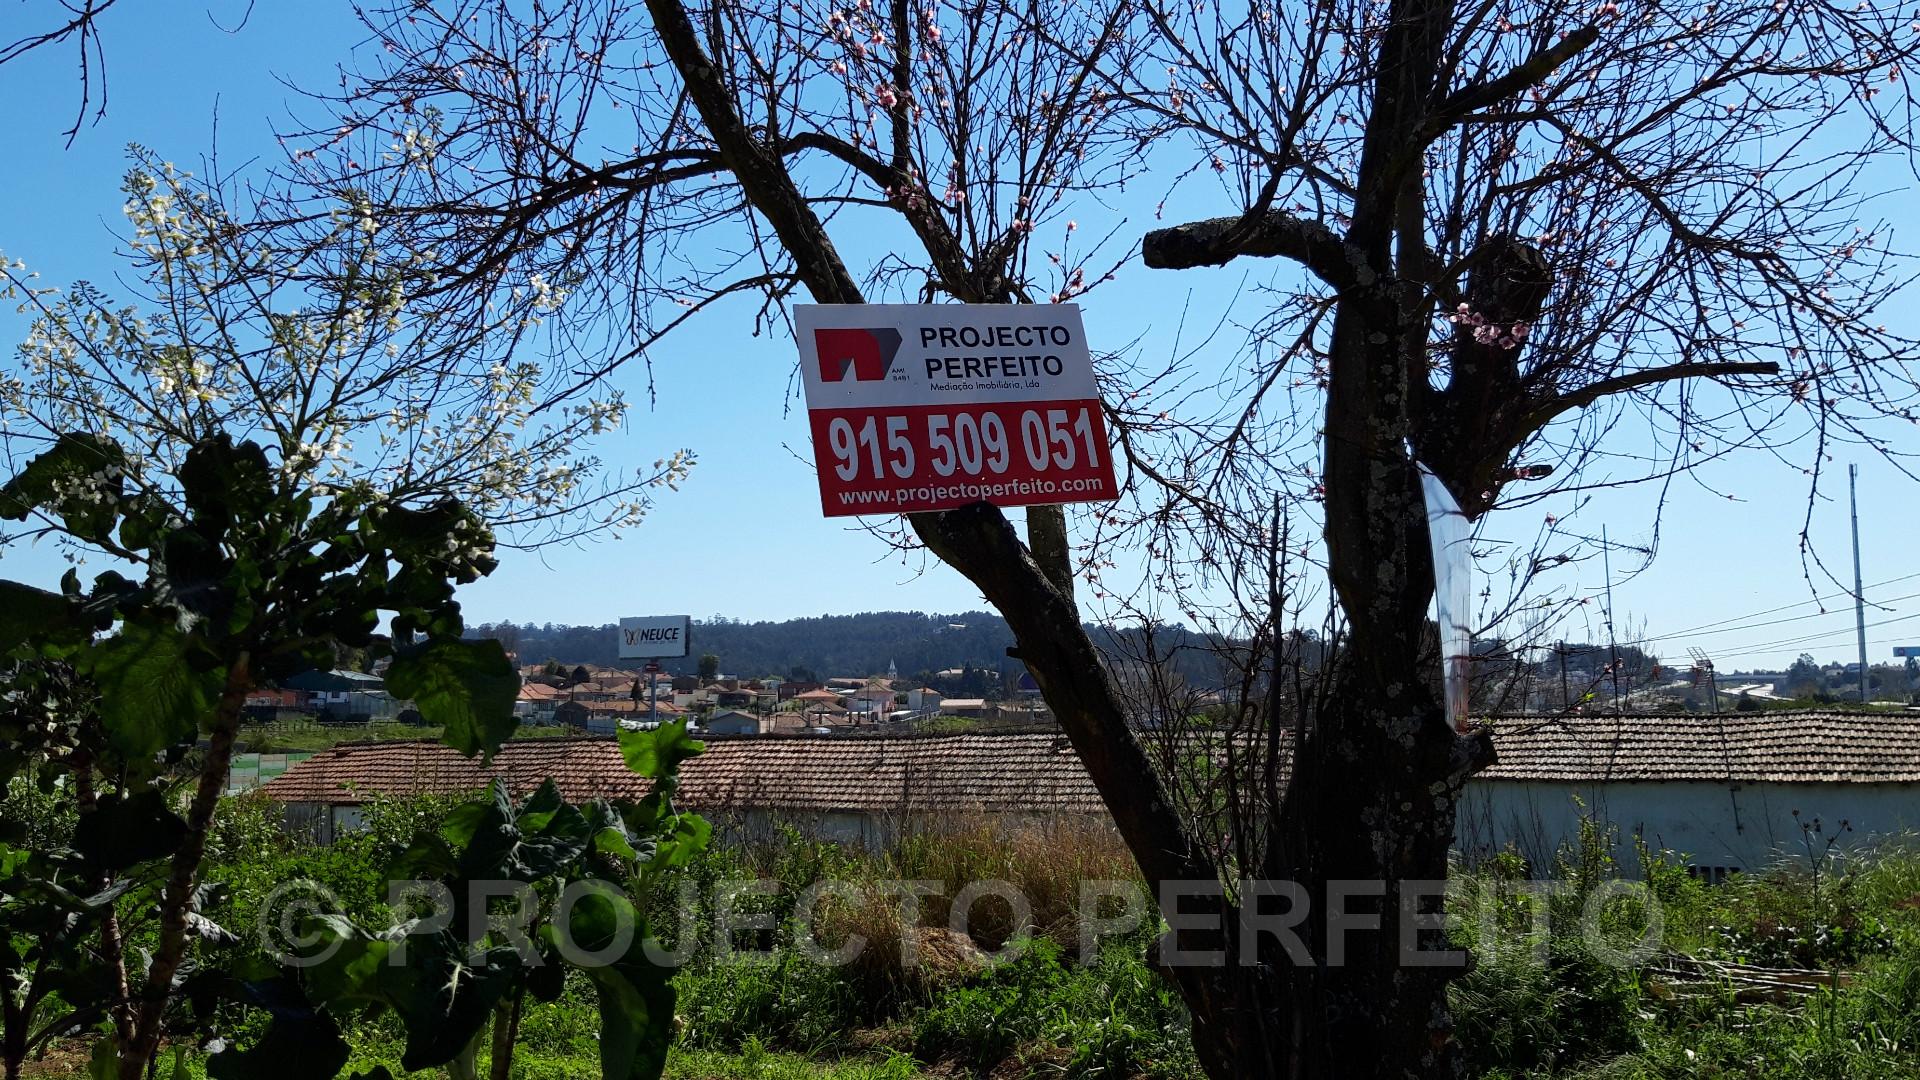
(506, 1030)
(150, 1012)
(1372, 795)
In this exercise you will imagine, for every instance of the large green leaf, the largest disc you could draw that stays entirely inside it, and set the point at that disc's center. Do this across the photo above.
(636, 995)
(467, 686)
(27, 612)
(442, 994)
(123, 832)
(151, 694)
(80, 479)
(301, 1042)
(535, 840)
(658, 753)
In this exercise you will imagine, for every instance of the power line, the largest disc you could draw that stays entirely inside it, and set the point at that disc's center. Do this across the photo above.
(1788, 619)
(1772, 646)
(1784, 607)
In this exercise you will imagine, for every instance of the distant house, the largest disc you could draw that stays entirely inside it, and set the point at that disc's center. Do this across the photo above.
(345, 695)
(872, 703)
(266, 703)
(859, 790)
(734, 722)
(1721, 789)
(537, 701)
(735, 697)
(964, 706)
(923, 701)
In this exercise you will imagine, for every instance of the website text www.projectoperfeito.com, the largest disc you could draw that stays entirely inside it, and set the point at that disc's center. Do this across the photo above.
(973, 491)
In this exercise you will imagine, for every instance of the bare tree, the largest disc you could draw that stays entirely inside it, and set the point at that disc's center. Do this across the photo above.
(1533, 235)
(77, 25)
(1523, 229)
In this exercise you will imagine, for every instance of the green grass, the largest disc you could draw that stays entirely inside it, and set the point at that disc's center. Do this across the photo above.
(1520, 1014)
(281, 736)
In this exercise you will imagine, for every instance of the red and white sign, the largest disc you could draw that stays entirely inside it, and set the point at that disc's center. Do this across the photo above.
(918, 407)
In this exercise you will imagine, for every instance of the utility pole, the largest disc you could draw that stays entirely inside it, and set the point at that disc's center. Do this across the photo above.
(1566, 694)
(1613, 652)
(1859, 594)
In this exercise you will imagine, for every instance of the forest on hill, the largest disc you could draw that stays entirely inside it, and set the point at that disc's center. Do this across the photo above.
(831, 645)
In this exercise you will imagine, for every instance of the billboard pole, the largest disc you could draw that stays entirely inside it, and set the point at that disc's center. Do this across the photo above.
(1859, 593)
(651, 637)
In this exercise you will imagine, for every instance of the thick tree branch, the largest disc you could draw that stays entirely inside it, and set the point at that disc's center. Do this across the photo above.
(1217, 241)
(762, 175)
(976, 540)
(1457, 106)
(1633, 380)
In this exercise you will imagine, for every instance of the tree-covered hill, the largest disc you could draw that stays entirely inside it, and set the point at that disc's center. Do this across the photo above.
(824, 646)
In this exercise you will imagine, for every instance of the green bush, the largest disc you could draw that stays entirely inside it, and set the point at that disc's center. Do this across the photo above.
(783, 1000)
(1113, 1017)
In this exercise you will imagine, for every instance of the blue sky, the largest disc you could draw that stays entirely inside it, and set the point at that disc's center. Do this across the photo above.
(744, 538)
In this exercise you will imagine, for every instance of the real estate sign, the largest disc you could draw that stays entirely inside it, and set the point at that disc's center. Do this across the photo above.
(918, 407)
(653, 636)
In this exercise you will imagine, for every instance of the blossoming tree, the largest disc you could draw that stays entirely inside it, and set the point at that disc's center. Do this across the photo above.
(275, 450)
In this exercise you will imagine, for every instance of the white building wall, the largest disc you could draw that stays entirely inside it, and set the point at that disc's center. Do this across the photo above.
(1742, 826)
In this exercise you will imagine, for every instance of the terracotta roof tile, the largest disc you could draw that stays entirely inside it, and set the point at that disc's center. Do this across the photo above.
(1781, 747)
(1040, 772)
(960, 772)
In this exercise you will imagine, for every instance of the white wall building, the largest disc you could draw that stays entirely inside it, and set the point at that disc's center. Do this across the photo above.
(1722, 790)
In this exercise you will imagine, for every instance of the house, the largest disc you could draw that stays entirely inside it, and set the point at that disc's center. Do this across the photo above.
(1734, 791)
(1724, 789)
(267, 697)
(537, 701)
(923, 701)
(856, 790)
(735, 697)
(734, 722)
(964, 706)
(345, 695)
(824, 714)
(873, 702)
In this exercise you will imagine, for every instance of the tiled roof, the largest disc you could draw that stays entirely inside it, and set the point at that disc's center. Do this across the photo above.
(1040, 772)
(350, 772)
(1780, 747)
(948, 773)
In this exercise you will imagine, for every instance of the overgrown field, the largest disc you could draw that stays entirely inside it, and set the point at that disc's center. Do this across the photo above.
(1550, 994)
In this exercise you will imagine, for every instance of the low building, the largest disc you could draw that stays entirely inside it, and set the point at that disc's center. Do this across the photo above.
(1733, 792)
(734, 722)
(345, 695)
(858, 790)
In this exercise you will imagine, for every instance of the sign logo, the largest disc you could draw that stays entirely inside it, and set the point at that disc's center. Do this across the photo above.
(653, 635)
(925, 407)
(867, 353)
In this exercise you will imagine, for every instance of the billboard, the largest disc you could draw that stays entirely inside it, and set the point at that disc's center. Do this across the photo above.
(1906, 650)
(920, 407)
(654, 636)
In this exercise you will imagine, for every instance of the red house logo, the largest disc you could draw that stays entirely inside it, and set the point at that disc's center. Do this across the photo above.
(867, 353)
